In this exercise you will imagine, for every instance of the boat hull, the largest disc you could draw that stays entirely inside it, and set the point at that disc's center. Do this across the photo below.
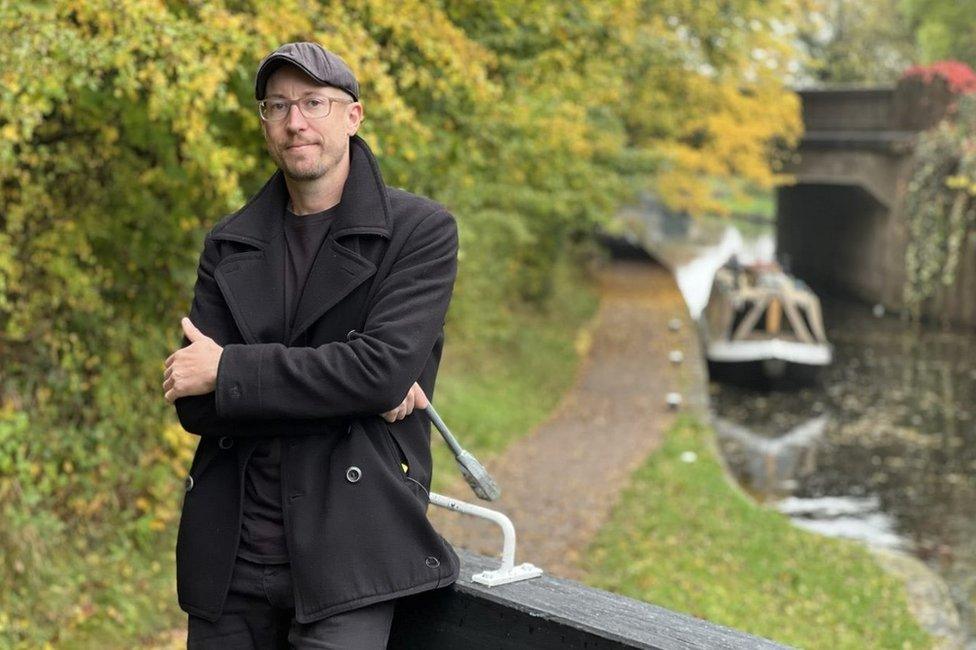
(765, 373)
(774, 349)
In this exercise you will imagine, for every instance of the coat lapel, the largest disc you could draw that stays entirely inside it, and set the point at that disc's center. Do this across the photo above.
(335, 272)
(253, 282)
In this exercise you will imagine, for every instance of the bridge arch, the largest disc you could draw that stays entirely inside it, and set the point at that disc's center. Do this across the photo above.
(841, 224)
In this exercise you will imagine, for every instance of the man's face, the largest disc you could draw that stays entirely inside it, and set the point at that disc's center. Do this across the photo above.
(307, 149)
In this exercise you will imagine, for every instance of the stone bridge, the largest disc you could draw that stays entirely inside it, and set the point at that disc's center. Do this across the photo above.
(841, 225)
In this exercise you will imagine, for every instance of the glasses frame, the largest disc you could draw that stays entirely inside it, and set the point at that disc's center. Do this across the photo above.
(298, 102)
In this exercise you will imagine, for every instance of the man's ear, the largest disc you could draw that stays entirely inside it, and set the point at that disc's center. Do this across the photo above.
(354, 117)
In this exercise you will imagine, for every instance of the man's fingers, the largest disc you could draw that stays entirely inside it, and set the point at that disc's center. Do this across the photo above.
(415, 399)
(170, 359)
(390, 416)
(420, 397)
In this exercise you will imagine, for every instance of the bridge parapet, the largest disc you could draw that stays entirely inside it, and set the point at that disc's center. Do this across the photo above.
(848, 108)
(909, 106)
(862, 136)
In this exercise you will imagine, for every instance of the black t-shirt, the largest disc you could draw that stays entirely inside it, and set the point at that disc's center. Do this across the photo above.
(262, 527)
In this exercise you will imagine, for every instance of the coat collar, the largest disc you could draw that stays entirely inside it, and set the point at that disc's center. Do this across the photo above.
(252, 282)
(363, 209)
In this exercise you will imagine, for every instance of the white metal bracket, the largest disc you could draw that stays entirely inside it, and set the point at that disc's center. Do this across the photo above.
(507, 572)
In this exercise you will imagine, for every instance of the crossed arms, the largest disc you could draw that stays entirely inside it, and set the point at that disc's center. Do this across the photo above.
(220, 382)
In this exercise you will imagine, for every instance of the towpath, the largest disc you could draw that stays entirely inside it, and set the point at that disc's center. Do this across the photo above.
(560, 482)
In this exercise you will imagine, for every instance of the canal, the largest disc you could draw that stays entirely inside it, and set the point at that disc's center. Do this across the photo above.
(881, 449)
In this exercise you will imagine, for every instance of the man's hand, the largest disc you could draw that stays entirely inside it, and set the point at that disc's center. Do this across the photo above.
(192, 370)
(415, 399)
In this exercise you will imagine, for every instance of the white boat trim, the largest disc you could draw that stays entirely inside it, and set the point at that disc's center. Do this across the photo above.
(814, 354)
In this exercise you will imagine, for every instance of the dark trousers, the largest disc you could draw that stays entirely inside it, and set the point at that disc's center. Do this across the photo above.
(259, 615)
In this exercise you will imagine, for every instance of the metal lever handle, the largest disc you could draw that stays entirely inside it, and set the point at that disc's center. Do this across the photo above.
(473, 471)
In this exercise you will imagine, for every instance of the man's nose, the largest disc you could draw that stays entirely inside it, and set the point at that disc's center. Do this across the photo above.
(295, 120)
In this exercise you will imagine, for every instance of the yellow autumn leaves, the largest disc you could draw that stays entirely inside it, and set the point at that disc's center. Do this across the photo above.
(128, 128)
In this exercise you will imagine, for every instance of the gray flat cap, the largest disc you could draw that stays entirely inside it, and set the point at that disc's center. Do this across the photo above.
(317, 62)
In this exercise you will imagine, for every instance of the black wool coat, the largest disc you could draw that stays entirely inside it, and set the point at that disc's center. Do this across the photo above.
(369, 323)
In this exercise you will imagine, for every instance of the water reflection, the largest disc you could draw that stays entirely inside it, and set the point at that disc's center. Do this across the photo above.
(772, 465)
(883, 449)
(900, 441)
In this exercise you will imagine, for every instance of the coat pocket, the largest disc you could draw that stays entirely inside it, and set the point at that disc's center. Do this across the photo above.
(402, 464)
(397, 456)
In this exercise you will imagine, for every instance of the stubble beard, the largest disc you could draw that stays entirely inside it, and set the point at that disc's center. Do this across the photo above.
(304, 172)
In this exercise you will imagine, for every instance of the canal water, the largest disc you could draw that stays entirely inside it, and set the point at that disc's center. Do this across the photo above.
(882, 449)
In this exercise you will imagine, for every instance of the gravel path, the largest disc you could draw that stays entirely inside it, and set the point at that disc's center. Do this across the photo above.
(560, 482)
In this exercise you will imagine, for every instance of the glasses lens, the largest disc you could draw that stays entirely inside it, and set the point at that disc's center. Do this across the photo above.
(274, 109)
(315, 106)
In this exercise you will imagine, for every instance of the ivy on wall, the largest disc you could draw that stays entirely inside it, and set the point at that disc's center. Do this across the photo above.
(940, 202)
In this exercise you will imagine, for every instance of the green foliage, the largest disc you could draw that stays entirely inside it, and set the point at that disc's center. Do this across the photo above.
(127, 128)
(683, 537)
(944, 29)
(940, 204)
(683, 90)
(865, 42)
(873, 42)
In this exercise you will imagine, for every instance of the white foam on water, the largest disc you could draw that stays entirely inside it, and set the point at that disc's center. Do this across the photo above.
(847, 517)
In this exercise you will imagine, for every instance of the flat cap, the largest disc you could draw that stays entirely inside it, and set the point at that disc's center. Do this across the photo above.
(323, 66)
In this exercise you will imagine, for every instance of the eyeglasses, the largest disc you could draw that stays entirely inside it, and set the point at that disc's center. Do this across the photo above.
(313, 107)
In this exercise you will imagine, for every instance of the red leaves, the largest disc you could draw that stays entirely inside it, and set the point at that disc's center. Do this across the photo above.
(959, 77)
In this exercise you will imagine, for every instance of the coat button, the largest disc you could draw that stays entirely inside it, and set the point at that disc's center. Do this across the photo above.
(235, 391)
(353, 473)
(225, 442)
(349, 334)
(188, 483)
(432, 562)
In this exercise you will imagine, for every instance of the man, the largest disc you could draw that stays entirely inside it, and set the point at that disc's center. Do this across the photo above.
(311, 346)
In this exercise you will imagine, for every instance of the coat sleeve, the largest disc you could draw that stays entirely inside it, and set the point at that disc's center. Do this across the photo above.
(372, 371)
(209, 312)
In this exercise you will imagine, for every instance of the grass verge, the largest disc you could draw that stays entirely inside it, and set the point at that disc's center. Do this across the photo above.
(491, 394)
(683, 537)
